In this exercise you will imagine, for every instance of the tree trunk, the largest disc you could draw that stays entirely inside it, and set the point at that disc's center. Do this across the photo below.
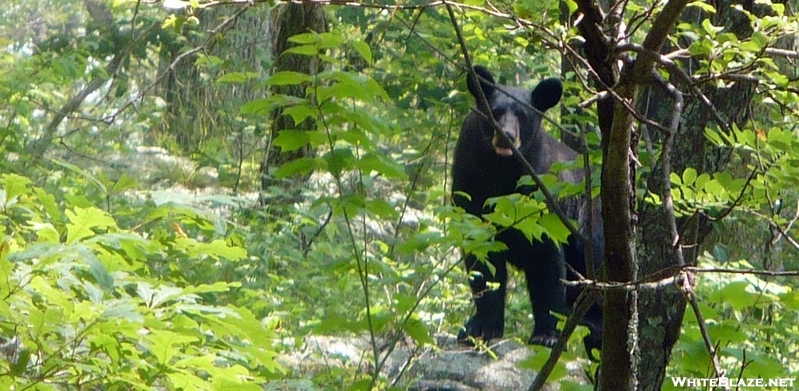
(290, 19)
(661, 311)
(197, 106)
(638, 360)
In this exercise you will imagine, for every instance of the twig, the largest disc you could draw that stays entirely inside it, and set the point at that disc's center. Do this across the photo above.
(589, 205)
(639, 285)
(583, 304)
(789, 273)
(667, 62)
(226, 24)
(657, 280)
(688, 292)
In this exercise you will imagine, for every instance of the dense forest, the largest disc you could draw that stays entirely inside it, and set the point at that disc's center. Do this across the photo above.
(193, 194)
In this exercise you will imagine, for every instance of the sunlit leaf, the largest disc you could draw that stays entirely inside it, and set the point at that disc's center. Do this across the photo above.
(82, 222)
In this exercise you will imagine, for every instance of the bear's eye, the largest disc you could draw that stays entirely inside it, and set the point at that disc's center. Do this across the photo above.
(523, 116)
(498, 112)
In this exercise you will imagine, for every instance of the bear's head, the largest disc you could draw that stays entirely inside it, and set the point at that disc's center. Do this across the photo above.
(510, 107)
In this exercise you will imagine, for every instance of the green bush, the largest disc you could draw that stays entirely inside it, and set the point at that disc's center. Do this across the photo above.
(83, 305)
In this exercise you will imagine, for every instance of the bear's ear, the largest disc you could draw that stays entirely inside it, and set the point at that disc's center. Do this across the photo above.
(546, 94)
(486, 83)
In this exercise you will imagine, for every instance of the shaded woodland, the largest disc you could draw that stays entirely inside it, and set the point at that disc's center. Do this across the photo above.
(191, 191)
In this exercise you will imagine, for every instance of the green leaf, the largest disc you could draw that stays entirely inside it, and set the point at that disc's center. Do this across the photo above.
(689, 176)
(236, 77)
(96, 268)
(381, 208)
(381, 165)
(572, 6)
(339, 160)
(220, 249)
(303, 50)
(122, 311)
(185, 380)
(330, 40)
(701, 48)
(735, 294)
(6, 267)
(790, 300)
(710, 29)
(286, 78)
(265, 106)
(304, 38)
(14, 185)
(18, 367)
(554, 228)
(701, 180)
(504, 213)
(84, 173)
(703, 6)
(48, 201)
(225, 384)
(291, 140)
(537, 360)
(364, 50)
(218, 286)
(161, 343)
(82, 220)
(300, 166)
(416, 330)
(124, 183)
(751, 46)
(300, 113)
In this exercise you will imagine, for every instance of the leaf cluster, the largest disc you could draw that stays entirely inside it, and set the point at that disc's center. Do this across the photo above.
(83, 304)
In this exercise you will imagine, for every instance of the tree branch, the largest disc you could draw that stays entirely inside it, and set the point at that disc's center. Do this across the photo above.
(688, 291)
(665, 169)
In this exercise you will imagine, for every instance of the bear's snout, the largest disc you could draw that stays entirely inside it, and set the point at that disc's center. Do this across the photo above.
(503, 146)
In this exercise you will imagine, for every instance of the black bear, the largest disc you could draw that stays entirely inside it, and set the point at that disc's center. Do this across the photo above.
(484, 167)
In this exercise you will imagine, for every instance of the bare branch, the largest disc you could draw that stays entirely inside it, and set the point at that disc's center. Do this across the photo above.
(665, 168)
(688, 292)
(781, 53)
(581, 307)
(223, 26)
(667, 277)
(790, 273)
(101, 14)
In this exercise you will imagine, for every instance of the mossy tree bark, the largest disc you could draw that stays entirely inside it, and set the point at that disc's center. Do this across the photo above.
(642, 327)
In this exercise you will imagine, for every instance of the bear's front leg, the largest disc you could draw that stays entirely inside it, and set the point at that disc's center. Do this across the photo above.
(543, 269)
(489, 320)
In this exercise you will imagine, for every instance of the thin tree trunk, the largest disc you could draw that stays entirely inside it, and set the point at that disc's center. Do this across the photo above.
(100, 14)
(196, 105)
(661, 311)
(642, 327)
(290, 19)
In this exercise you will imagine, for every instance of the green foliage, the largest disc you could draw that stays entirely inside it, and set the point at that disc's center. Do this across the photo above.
(528, 215)
(537, 360)
(752, 319)
(114, 278)
(382, 269)
(83, 305)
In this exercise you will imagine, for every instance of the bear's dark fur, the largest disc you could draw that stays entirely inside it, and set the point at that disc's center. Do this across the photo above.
(485, 167)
